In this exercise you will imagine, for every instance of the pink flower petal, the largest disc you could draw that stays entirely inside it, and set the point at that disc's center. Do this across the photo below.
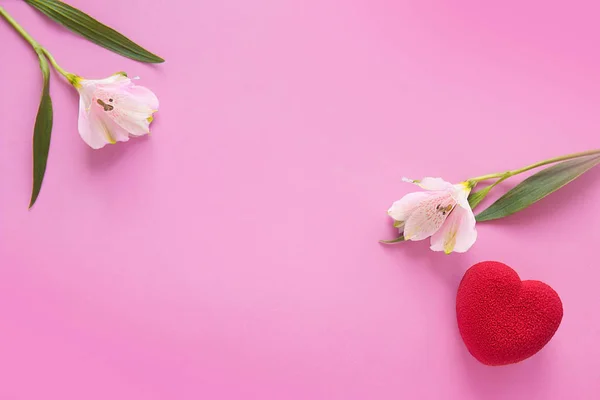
(458, 232)
(434, 184)
(97, 130)
(430, 214)
(401, 209)
(143, 95)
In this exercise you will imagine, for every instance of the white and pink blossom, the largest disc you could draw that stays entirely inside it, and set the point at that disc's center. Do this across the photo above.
(113, 110)
(441, 212)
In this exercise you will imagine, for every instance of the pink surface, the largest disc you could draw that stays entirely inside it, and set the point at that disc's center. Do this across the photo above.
(233, 254)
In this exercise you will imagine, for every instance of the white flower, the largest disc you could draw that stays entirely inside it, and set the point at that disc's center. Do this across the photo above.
(113, 109)
(442, 213)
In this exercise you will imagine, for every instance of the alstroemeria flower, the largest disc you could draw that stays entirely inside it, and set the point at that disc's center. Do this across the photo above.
(442, 213)
(113, 109)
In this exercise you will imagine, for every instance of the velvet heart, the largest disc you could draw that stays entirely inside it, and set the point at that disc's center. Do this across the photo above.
(502, 319)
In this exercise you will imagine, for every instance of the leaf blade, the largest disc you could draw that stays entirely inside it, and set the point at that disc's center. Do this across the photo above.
(393, 241)
(477, 197)
(537, 186)
(93, 30)
(42, 133)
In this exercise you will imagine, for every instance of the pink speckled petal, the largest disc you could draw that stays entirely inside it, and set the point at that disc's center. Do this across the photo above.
(133, 107)
(401, 209)
(429, 216)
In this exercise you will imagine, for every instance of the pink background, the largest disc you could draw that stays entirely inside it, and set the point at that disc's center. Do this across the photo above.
(233, 254)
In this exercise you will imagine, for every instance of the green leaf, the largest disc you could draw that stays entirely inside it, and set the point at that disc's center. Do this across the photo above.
(91, 29)
(397, 240)
(41, 133)
(538, 186)
(477, 197)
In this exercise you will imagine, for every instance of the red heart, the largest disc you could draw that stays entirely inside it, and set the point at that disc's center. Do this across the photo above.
(502, 319)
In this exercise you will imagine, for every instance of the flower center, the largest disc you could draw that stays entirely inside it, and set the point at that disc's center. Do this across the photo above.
(106, 107)
(445, 208)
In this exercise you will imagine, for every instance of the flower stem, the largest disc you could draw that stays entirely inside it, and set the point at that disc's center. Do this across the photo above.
(72, 78)
(508, 174)
(36, 46)
(41, 51)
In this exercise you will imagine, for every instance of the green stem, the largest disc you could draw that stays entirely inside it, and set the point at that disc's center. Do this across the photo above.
(36, 46)
(70, 77)
(508, 174)
(41, 51)
(502, 179)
